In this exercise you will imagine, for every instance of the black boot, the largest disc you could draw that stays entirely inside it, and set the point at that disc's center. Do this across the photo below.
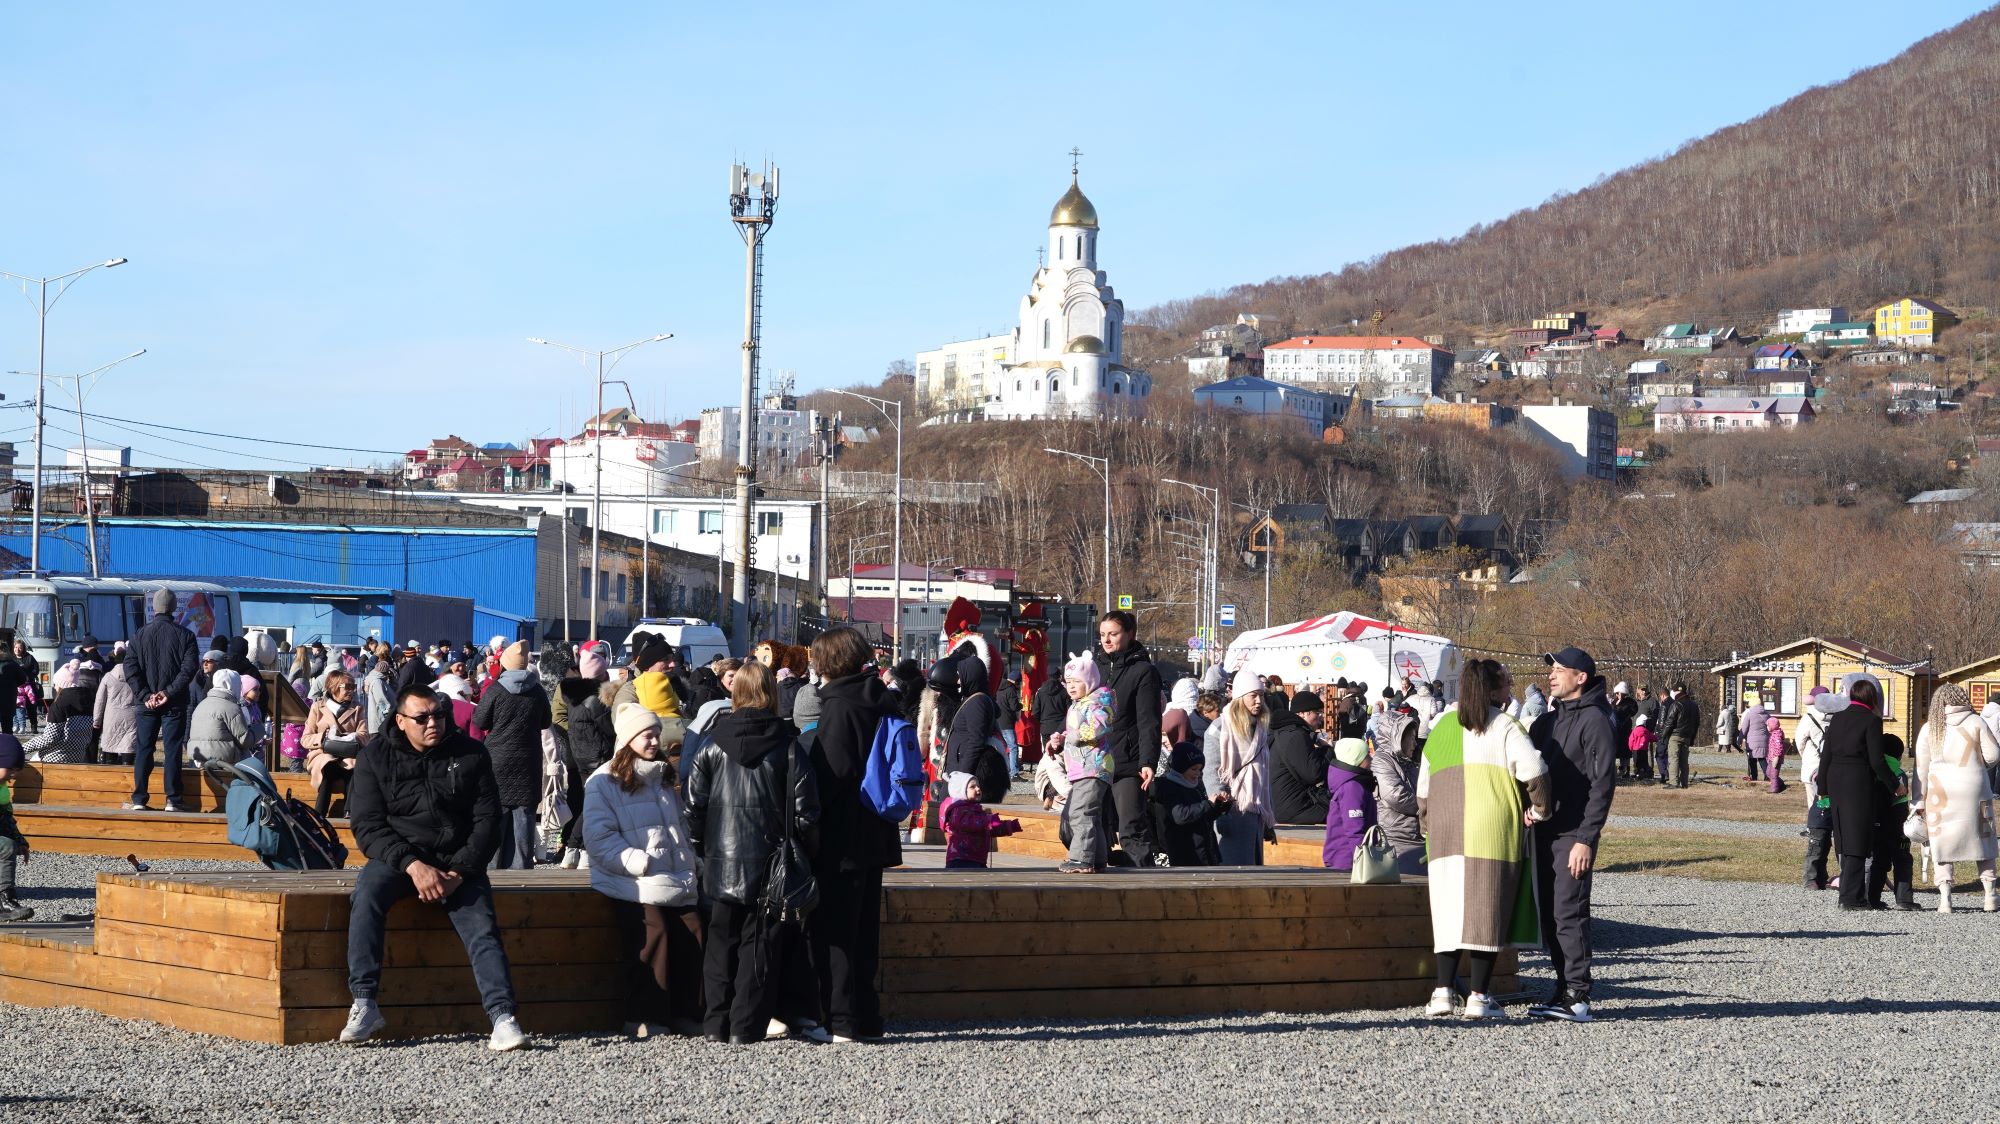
(11, 909)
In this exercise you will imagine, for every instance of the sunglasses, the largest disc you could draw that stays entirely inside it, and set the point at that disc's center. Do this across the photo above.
(425, 719)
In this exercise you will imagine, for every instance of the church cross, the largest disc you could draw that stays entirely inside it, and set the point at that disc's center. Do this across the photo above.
(1074, 155)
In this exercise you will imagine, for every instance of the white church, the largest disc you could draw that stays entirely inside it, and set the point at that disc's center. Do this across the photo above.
(1062, 360)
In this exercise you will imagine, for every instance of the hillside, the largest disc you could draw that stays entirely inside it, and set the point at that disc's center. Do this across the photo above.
(1884, 184)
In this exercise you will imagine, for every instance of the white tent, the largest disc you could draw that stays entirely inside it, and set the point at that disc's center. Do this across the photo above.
(1345, 646)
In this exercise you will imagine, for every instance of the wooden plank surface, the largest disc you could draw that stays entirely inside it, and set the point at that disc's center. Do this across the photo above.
(430, 986)
(202, 1020)
(441, 948)
(210, 952)
(150, 835)
(1088, 1003)
(1030, 938)
(108, 786)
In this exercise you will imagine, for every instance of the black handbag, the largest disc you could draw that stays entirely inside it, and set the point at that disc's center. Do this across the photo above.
(790, 890)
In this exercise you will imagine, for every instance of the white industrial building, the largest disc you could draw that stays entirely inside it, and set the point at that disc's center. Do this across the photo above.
(1586, 437)
(1799, 321)
(784, 432)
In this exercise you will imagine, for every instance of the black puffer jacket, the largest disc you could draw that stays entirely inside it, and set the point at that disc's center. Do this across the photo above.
(438, 806)
(514, 718)
(969, 747)
(1135, 708)
(1051, 706)
(851, 836)
(704, 687)
(735, 805)
(590, 733)
(1298, 771)
(165, 659)
(1576, 738)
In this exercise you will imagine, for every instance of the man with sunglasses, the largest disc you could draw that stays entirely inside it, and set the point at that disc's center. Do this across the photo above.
(426, 813)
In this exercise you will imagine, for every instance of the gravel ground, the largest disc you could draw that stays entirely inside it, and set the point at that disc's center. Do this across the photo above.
(1708, 827)
(1718, 1001)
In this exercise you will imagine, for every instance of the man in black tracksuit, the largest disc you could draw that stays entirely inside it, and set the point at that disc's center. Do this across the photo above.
(1577, 740)
(1135, 728)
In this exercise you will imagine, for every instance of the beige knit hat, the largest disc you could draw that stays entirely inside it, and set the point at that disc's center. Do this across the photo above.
(627, 722)
(515, 658)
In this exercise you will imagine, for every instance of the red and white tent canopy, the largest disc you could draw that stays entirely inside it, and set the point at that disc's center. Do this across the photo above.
(1345, 646)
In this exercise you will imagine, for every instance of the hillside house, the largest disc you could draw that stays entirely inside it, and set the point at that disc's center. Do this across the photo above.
(1479, 360)
(1650, 392)
(1404, 364)
(1912, 321)
(1798, 321)
(1720, 415)
(1645, 367)
(1885, 357)
(1779, 357)
(1842, 333)
(1686, 339)
(1259, 397)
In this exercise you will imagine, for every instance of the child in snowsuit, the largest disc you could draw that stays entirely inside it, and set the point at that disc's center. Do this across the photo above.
(1183, 811)
(1774, 751)
(1351, 810)
(969, 829)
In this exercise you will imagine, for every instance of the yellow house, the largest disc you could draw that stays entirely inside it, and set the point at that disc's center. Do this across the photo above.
(1784, 678)
(1980, 678)
(1912, 320)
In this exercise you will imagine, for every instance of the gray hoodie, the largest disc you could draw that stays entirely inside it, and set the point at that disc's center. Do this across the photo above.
(217, 731)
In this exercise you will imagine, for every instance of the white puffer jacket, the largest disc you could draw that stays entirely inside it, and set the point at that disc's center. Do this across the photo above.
(637, 840)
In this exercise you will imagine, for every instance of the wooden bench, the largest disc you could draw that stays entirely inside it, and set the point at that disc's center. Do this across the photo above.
(148, 835)
(263, 955)
(1041, 837)
(109, 786)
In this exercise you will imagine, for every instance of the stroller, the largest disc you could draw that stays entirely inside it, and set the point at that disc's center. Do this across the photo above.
(280, 830)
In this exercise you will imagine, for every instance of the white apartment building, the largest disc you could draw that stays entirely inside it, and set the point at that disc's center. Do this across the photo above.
(1400, 364)
(1799, 321)
(784, 432)
(1725, 414)
(1585, 436)
(954, 377)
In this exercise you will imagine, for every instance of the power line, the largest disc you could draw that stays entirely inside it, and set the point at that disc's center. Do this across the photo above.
(236, 436)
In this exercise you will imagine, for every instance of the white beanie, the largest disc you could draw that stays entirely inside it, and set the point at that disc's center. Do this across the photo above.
(628, 721)
(1244, 684)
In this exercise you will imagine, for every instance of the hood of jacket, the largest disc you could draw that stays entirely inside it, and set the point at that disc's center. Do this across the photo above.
(516, 680)
(747, 736)
(1285, 719)
(863, 690)
(1186, 694)
(225, 684)
(1337, 771)
(239, 648)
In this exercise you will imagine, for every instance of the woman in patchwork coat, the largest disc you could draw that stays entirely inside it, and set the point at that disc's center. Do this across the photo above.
(1476, 766)
(1954, 751)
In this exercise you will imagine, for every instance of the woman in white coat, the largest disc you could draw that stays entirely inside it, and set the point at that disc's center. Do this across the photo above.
(641, 860)
(1954, 751)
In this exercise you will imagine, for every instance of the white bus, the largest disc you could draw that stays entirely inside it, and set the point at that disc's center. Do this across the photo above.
(51, 614)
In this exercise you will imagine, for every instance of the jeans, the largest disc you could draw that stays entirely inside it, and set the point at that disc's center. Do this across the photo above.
(1013, 751)
(1677, 748)
(169, 726)
(1660, 758)
(1241, 836)
(846, 936)
(470, 908)
(518, 840)
(1565, 909)
(1135, 820)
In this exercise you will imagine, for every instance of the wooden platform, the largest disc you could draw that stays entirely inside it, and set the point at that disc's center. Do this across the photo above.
(262, 956)
(1041, 836)
(74, 809)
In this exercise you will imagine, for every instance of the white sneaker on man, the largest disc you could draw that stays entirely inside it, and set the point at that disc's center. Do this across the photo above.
(507, 1035)
(1479, 1006)
(364, 1019)
(1567, 1009)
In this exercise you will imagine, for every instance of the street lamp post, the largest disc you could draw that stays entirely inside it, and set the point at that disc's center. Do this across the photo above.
(1102, 466)
(896, 584)
(1213, 600)
(42, 306)
(83, 438)
(597, 457)
(646, 543)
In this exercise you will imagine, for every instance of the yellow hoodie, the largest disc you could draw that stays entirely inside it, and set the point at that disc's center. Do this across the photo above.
(656, 693)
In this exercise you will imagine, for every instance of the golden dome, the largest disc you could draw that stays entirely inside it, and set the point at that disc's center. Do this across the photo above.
(1085, 345)
(1073, 209)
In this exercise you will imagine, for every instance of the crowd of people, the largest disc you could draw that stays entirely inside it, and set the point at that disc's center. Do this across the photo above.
(722, 809)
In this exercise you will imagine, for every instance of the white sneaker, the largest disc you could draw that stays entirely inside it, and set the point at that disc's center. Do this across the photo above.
(1441, 1004)
(1479, 1006)
(843, 1040)
(507, 1035)
(813, 1032)
(1944, 897)
(364, 1019)
(1576, 1012)
(638, 1031)
(776, 1028)
(1992, 902)
(569, 858)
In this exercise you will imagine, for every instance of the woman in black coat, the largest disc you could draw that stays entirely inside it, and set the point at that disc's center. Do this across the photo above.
(969, 746)
(1857, 779)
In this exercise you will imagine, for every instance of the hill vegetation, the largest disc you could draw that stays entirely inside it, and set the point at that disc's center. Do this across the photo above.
(1882, 185)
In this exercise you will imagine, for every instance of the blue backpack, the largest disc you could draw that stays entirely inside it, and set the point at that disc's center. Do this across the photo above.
(893, 782)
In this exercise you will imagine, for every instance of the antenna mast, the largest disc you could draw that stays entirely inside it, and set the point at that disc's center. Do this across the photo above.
(753, 204)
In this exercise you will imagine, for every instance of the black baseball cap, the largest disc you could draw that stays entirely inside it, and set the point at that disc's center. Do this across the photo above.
(1574, 658)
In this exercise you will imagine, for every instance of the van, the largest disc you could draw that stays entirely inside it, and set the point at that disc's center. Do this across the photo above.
(697, 640)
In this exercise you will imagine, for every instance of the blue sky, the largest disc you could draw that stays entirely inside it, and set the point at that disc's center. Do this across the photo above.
(344, 220)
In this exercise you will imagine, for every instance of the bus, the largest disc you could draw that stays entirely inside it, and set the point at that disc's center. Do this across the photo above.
(52, 613)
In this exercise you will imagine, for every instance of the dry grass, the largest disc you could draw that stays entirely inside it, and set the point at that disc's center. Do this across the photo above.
(1715, 795)
(1689, 855)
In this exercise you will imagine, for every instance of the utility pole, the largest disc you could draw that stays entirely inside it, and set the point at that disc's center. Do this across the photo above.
(753, 204)
(829, 429)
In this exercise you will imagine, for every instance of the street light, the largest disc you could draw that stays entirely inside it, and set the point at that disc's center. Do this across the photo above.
(1264, 514)
(1211, 607)
(83, 438)
(597, 458)
(928, 563)
(43, 304)
(883, 404)
(1101, 466)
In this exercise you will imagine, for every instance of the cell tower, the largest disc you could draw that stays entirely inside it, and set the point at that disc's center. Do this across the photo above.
(753, 204)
